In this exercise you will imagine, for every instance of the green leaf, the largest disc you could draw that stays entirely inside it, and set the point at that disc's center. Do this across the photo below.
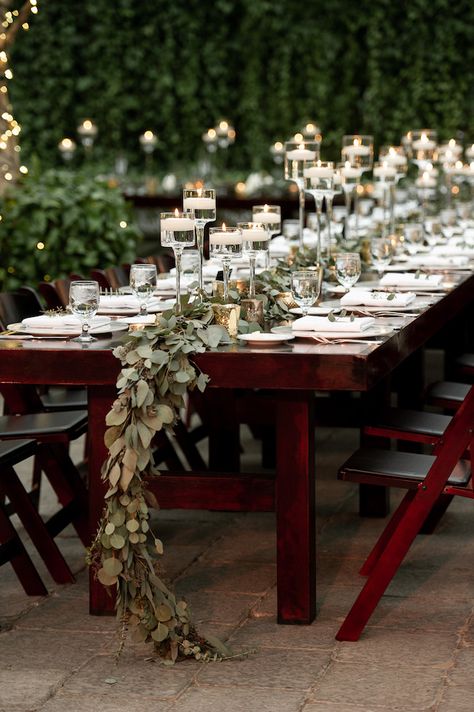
(112, 566)
(142, 389)
(160, 633)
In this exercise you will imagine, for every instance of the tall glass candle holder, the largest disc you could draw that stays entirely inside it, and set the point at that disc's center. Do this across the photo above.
(423, 145)
(297, 154)
(177, 232)
(350, 179)
(395, 157)
(255, 240)
(225, 243)
(358, 150)
(270, 217)
(329, 197)
(319, 180)
(385, 175)
(203, 202)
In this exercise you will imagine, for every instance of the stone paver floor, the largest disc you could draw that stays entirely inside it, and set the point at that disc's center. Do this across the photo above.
(417, 654)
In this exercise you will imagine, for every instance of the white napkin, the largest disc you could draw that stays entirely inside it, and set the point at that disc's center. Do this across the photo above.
(124, 301)
(208, 270)
(405, 279)
(438, 260)
(167, 284)
(362, 297)
(323, 324)
(60, 321)
(451, 248)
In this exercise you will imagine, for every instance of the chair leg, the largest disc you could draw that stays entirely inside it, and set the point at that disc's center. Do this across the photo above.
(188, 447)
(384, 538)
(36, 483)
(433, 518)
(20, 559)
(36, 528)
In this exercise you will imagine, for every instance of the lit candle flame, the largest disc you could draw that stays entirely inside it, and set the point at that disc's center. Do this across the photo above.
(357, 142)
(176, 212)
(224, 227)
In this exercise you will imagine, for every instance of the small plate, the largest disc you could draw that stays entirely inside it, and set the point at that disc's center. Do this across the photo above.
(261, 338)
(372, 331)
(109, 328)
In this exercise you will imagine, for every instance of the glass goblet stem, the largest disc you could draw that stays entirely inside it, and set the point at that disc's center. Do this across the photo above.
(252, 259)
(347, 200)
(392, 207)
(356, 212)
(226, 273)
(329, 201)
(178, 252)
(200, 248)
(384, 208)
(85, 336)
(319, 211)
(301, 213)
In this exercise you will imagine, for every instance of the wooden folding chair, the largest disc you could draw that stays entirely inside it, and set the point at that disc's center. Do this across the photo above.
(426, 477)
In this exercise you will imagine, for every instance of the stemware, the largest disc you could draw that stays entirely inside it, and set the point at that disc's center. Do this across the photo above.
(395, 157)
(224, 244)
(84, 303)
(350, 178)
(386, 175)
(305, 287)
(297, 153)
(319, 181)
(203, 202)
(270, 217)
(358, 151)
(255, 240)
(423, 145)
(177, 232)
(348, 269)
(143, 283)
(381, 251)
(336, 190)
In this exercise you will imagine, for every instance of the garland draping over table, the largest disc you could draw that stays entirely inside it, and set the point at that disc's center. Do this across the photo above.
(157, 372)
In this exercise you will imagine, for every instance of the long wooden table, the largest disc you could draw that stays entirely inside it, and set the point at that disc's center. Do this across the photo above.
(292, 372)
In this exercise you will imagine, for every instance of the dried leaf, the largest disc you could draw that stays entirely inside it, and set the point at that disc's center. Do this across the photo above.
(142, 392)
(160, 633)
(112, 566)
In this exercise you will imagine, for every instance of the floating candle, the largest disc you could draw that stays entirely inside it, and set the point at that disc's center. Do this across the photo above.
(199, 203)
(301, 154)
(177, 224)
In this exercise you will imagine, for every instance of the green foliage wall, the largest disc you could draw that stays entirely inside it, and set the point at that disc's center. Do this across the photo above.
(378, 66)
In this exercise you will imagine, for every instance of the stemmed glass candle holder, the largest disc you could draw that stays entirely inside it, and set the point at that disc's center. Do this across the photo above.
(319, 181)
(348, 269)
(84, 303)
(395, 157)
(423, 145)
(305, 287)
(297, 154)
(143, 283)
(386, 175)
(350, 179)
(255, 240)
(336, 190)
(203, 202)
(270, 217)
(425, 183)
(177, 232)
(381, 251)
(224, 244)
(358, 151)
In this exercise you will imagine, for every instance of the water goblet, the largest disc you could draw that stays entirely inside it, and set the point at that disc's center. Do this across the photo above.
(224, 244)
(177, 232)
(84, 303)
(348, 269)
(297, 153)
(319, 181)
(381, 251)
(305, 287)
(255, 239)
(203, 202)
(143, 283)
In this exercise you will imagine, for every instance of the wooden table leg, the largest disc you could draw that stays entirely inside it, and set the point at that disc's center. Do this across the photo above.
(374, 501)
(224, 437)
(100, 400)
(295, 508)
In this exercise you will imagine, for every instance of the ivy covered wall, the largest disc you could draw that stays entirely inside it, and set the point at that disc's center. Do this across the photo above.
(374, 66)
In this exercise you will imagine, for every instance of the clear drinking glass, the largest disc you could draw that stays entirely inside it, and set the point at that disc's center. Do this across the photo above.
(381, 250)
(255, 240)
(297, 154)
(143, 283)
(348, 269)
(84, 303)
(203, 202)
(177, 232)
(305, 287)
(319, 181)
(224, 244)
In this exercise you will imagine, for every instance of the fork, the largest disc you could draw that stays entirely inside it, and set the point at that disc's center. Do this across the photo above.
(323, 340)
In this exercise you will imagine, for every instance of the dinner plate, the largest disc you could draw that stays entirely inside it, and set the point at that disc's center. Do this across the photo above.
(372, 331)
(109, 328)
(260, 338)
(335, 305)
(376, 287)
(322, 310)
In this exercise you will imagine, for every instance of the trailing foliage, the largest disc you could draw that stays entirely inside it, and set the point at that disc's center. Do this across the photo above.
(56, 222)
(382, 67)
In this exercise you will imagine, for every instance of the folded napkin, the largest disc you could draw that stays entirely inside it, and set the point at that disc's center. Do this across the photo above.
(66, 321)
(208, 270)
(167, 284)
(362, 297)
(124, 301)
(405, 279)
(323, 324)
(438, 260)
(451, 248)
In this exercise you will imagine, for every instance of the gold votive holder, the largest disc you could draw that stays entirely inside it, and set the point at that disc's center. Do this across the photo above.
(252, 310)
(227, 315)
(287, 299)
(218, 288)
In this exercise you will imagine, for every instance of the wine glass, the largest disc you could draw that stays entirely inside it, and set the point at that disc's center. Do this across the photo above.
(305, 288)
(203, 202)
(348, 269)
(224, 244)
(177, 232)
(143, 283)
(255, 240)
(297, 153)
(319, 181)
(381, 250)
(84, 303)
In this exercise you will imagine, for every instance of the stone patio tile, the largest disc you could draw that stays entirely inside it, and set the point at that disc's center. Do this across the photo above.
(115, 702)
(67, 615)
(392, 687)
(238, 578)
(217, 699)
(417, 649)
(330, 707)
(213, 606)
(270, 634)
(456, 699)
(244, 545)
(25, 690)
(419, 613)
(137, 678)
(268, 668)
